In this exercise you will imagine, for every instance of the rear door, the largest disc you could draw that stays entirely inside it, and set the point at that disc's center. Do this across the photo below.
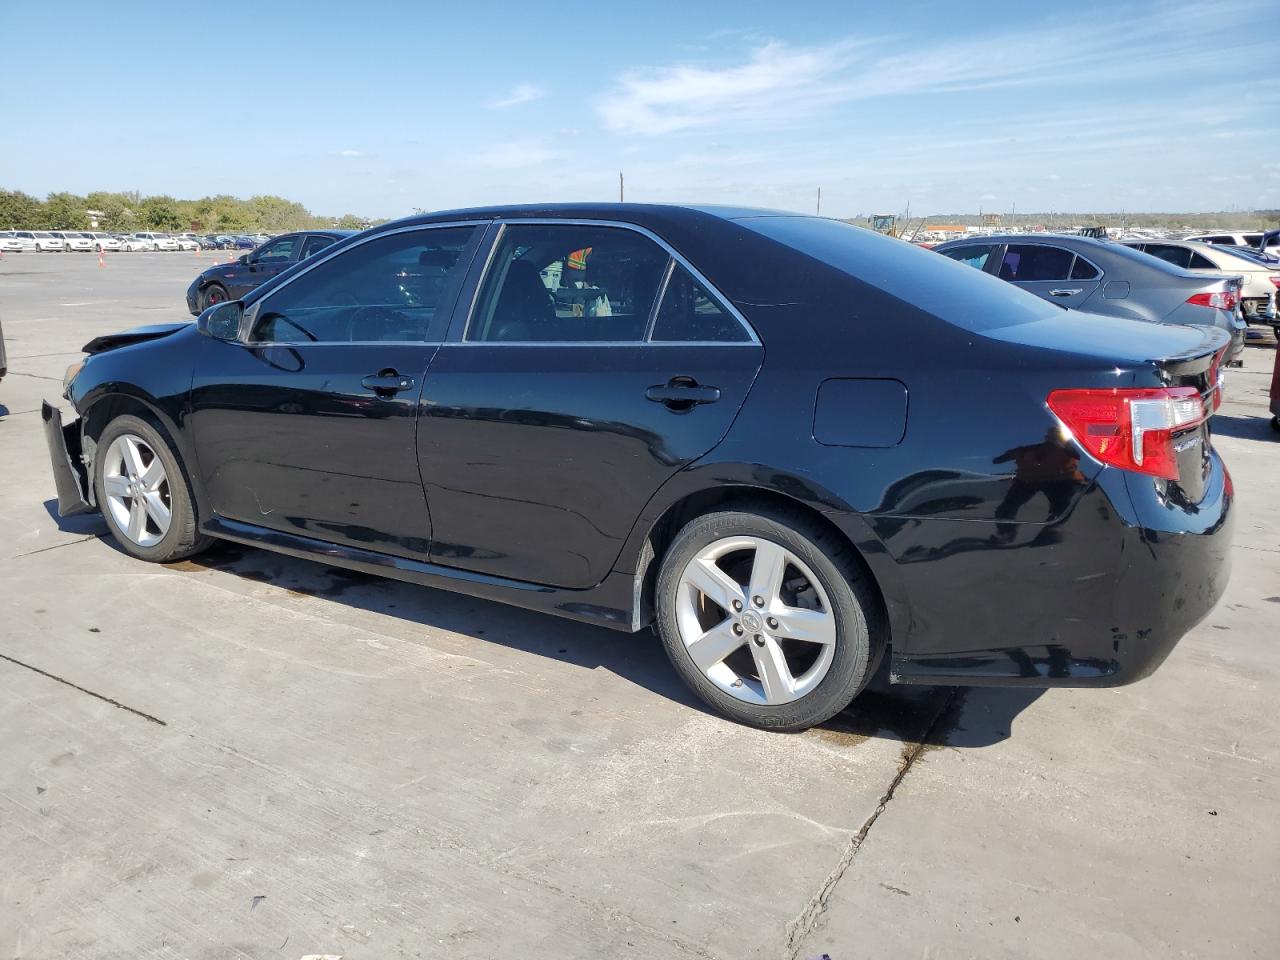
(1051, 272)
(591, 367)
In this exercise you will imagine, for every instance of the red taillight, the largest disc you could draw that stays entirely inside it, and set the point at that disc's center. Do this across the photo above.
(1220, 300)
(1130, 428)
(1275, 279)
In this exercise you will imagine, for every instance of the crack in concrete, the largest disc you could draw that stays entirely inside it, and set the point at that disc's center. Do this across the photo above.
(56, 546)
(807, 919)
(76, 686)
(33, 376)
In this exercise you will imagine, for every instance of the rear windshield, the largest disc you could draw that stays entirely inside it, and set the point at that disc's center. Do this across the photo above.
(936, 284)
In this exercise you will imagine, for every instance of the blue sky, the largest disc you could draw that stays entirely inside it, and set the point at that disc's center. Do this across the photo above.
(380, 107)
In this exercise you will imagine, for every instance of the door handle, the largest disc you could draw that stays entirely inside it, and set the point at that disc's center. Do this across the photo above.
(682, 393)
(387, 381)
(1065, 293)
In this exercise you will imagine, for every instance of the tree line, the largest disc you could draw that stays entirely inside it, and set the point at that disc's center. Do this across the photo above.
(131, 211)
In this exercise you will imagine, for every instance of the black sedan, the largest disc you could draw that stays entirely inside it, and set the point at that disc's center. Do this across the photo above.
(230, 281)
(798, 448)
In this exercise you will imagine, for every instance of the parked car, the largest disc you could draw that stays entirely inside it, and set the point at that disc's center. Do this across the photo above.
(630, 414)
(243, 243)
(230, 281)
(73, 240)
(10, 243)
(1249, 240)
(137, 242)
(186, 242)
(159, 241)
(42, 241)
(1261, 280)
(106, 241)
(1101, 276)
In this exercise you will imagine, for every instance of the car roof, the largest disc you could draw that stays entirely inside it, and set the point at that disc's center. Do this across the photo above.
(641, 214)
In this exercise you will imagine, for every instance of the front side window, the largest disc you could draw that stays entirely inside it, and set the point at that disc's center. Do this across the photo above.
(396, 288)
(566, 283)
(1031, 262)
(277, 251)
(688, 313)
(974, 255)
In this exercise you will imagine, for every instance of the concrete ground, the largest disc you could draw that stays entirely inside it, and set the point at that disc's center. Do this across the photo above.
(252, 756)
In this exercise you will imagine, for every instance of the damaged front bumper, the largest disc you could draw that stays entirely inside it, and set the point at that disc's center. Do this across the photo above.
(70, 477)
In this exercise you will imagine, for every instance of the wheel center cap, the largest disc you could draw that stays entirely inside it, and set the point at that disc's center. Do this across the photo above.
(751, 621)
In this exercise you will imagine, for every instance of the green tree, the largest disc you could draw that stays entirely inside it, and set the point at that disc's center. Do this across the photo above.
(65, 211)
(160, 213)
(349, 221)
(19, 211)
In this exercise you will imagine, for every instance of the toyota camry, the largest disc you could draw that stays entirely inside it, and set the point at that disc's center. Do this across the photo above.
(799, 450)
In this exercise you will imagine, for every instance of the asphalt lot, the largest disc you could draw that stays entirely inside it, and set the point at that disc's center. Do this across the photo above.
(248, 755)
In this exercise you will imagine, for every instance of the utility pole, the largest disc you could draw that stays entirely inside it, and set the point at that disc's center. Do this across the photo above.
(818, 209)
(621, 192)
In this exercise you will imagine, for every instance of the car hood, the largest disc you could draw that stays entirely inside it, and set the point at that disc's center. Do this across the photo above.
(152, 331)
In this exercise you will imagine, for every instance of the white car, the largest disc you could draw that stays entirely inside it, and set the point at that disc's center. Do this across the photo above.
(137, 243)
(186, 242)
(105, 241)
(1261, 280)
(73, 240)
(43, 241)
(12, 244)
(1250, 240)
(159, 241)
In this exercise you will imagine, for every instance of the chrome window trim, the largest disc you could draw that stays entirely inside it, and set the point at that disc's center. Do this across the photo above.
(657, 304)
(322, 258)
(752, 341)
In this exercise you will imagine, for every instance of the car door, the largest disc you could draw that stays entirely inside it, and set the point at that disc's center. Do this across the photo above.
(263, 264)
(592, 366)
(1051, 272)
(308, 425)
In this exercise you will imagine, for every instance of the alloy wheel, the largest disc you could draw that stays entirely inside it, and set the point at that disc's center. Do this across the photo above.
(755, 620)
(137, 490)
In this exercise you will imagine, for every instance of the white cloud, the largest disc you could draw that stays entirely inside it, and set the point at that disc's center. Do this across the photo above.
(782, 84)
(520, 93)
(515, 154)
(350, 154)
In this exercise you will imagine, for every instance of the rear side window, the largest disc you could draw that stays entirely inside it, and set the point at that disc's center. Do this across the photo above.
(689, 313)
(1200, 262)
(975, 255)
(1031, 262)
(315, 244)
(1178, 256)
(1082, 269)
(568, 284)
(383, 290)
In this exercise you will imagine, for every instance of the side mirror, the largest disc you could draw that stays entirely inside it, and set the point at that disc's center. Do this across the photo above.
(222, 321)
(243, 258)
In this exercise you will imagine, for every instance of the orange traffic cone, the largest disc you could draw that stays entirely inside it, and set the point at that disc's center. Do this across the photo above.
(102, 257)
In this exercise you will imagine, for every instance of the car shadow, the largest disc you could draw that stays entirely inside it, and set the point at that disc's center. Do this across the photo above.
(83, 523)
(934, 716)
(1244, 427)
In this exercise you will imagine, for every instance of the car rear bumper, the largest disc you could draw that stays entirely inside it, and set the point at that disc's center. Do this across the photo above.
(1099, 599)
(70, 479)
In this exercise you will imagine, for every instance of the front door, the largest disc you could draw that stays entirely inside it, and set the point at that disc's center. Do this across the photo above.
(592, 368)
(309, 426)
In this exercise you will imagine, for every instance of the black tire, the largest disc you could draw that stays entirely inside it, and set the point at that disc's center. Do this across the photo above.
(213, 293)
(183, 538)
(1275, 423)
(860, 633)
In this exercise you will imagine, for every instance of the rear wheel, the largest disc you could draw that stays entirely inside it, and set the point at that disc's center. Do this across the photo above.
(212, 294)
(143, 493)
(767, 618)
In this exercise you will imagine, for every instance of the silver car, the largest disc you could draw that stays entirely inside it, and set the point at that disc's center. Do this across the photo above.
(1100, 276)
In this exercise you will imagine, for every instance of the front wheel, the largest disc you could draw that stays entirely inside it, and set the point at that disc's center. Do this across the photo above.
(1275, 423)
(767, 618)
(212, 294)
(143, 493)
